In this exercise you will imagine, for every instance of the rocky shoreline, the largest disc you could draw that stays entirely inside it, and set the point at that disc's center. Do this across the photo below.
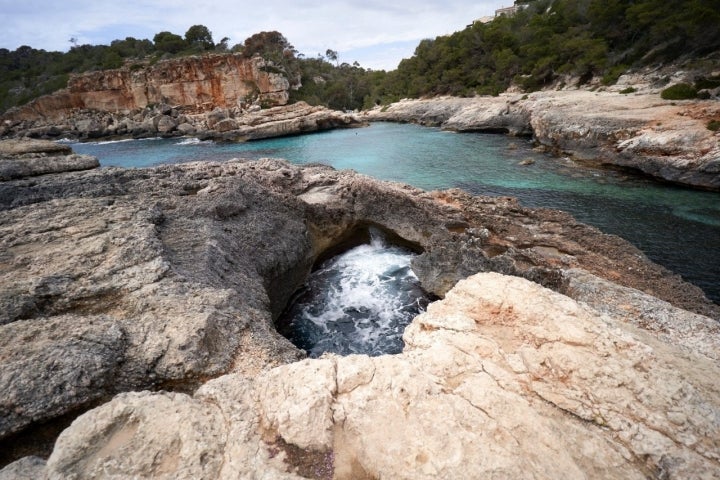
(668, 140)
(162, 279)
(221, 124)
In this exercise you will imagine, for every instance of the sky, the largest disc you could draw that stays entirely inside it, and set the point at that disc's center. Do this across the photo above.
(375, 33)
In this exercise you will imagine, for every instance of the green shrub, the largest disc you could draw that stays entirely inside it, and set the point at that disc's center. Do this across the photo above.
(680, 91)
(611, 75)
(713, 125)
(625, 91)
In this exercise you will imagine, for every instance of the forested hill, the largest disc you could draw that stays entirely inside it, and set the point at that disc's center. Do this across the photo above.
(544, 41)
(549, 38)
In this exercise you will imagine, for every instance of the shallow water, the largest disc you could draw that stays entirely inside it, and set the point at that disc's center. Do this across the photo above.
(357, 302)
(676, 227)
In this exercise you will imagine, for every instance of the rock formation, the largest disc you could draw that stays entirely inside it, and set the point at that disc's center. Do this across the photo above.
(233, 124)
(27, 158)
(213, 96)
(503, 379)
(668, 140)
(117, 280)
(203, 83)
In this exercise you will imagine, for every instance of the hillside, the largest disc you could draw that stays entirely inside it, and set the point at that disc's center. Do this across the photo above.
(546, 43)
(550, 39)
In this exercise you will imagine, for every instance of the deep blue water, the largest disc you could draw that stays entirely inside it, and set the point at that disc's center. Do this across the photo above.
(676, 227)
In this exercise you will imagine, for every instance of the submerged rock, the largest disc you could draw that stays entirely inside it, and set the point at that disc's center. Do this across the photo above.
(118, 280)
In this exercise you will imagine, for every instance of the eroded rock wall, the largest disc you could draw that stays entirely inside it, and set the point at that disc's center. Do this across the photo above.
(199, 82)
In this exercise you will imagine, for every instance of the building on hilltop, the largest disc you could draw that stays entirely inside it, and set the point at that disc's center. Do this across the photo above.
(507, 11)
(510, 11)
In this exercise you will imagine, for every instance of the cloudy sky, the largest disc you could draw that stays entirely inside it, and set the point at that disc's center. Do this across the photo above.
(376, 33)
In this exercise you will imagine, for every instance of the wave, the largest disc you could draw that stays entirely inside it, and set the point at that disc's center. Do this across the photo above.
(194, 141)
(122, 140)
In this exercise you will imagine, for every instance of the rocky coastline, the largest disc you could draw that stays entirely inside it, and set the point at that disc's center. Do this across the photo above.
(224, 97)
(146, 298)
(668, 140)
(219, 124)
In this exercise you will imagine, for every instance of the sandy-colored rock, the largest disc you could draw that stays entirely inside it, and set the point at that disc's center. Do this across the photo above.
(140, 427)
(165, 277)
(501, 379)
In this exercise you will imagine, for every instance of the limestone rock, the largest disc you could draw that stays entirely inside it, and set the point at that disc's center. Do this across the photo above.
(220, 80)
(226, 125)
(80, 366)
(491, 114)
(165, 124)
(292, 119)
(165, 277)
(27, 158)
(218, 114)
(136, 436)
(502, 378)
(27, 468)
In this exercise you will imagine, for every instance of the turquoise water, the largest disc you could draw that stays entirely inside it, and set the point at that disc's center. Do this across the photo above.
(676, 227)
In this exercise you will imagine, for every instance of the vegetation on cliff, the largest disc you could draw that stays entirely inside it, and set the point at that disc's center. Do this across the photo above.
(532, 49)
(27, 73)
(550, 38)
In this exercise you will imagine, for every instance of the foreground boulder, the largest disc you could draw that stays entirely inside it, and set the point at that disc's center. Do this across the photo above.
(503, 379)
(118, 280)
(667, 140)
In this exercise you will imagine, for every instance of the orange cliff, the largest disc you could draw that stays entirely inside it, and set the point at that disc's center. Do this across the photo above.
(202, 83)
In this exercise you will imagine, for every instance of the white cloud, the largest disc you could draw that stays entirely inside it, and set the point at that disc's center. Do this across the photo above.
(312, 26)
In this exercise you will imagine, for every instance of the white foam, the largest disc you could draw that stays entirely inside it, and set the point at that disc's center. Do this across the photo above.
(194, 141)
(369, 286)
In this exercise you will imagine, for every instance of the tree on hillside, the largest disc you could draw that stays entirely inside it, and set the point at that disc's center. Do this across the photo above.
(332, 55)
(199, 37)
(169, 42)
(273, 46)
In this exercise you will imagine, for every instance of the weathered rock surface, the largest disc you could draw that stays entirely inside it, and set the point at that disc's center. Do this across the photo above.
(277, 122)
(213, 96)
(233, 124)
(225, 80)
(116, 280)
(668, 140)
(28, 158)
(501, 379)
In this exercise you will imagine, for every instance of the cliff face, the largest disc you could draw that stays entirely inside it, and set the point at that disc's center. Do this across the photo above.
(200, 82)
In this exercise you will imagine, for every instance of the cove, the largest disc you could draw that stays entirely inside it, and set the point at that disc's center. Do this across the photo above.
(357, 302)
(676, 227)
